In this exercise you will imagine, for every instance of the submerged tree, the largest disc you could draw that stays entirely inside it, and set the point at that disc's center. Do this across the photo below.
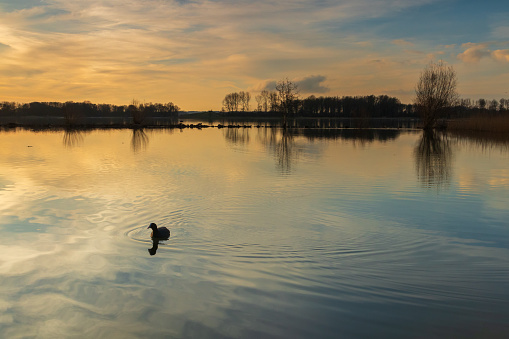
(287, 92)
(73, 113)
(137, 111)
(435, 93)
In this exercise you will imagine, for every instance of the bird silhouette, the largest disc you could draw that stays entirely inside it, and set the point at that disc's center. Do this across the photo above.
(159, 232)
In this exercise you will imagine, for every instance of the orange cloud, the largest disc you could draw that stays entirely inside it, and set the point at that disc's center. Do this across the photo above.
(474, 52)
(501, 54)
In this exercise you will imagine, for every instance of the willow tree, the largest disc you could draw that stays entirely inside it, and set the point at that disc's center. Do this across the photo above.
(435, 93)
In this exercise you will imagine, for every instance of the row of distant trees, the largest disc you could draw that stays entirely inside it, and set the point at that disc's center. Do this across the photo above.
(237, 101)
(430, 105)
(333, 106)
(486, 105)
(74, 111)
(377, 106)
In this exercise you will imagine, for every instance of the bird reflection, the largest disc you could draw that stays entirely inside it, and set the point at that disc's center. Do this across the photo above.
(155, 246)
(73, 138)
(433, 159)
(139, 140)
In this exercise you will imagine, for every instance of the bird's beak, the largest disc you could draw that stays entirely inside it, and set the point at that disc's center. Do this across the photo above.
(148, 227)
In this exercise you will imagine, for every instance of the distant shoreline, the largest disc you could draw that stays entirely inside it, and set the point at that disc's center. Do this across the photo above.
(485, 124)
(198, 121)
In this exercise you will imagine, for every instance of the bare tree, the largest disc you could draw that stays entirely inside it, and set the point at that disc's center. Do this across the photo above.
(260, 101)
(435, 92)
(273, 101)
(265, 101)
(231, 102)
(244, 99)
(287, 93)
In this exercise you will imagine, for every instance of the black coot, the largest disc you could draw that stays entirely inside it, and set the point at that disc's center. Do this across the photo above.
(159, 232)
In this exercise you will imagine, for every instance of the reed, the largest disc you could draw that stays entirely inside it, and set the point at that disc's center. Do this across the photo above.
(481, 123)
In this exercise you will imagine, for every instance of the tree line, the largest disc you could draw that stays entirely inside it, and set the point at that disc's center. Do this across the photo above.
(88, 109)
(286, 100)
(369, 106)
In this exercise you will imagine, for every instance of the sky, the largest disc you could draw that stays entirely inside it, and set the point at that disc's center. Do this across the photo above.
(193, 53)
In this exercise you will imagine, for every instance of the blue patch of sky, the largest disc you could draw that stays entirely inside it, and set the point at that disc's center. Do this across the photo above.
(48, 13)
(15, 5)
(499, 20)
(49, 21)
(447, 22)
(195, 28)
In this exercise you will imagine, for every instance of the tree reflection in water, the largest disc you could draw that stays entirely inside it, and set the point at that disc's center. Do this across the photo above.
(237, 136)
(73, 138)
(285, 151)
(281, 143)
(139, 140)
(433, 156)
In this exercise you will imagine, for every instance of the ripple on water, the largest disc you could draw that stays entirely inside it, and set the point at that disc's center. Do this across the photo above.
(139, 234)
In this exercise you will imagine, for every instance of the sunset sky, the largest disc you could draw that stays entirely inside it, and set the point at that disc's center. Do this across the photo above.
(193, 53)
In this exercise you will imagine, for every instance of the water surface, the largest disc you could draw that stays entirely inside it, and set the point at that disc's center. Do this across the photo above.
(309, 234)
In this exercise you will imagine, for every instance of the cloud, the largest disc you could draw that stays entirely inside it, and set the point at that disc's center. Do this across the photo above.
(474, 52)
(269, 85)
(310, 84)
(154, 50)
(501, 55)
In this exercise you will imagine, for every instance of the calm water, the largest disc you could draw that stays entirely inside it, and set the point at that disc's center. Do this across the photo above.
(318, 234)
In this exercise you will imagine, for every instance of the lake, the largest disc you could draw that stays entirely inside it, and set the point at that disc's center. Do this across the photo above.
(304, 234)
